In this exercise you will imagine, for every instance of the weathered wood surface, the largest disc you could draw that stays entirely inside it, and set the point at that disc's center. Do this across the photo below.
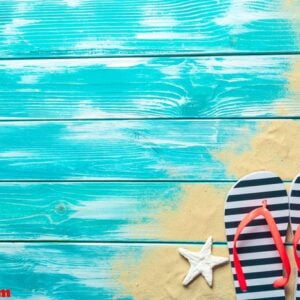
(114, 150)
(94, 28)
(146, 149)
(134, 228)
(210, 87)
(57, 271)
(111, 211)
(68, 271)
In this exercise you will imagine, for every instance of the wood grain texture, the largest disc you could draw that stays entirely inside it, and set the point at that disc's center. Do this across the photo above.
(78, 231)
(74, 271)
(57, 271)
(112, 211)
(94, 28)
(203, 150)
(217, 87)
(113, 150)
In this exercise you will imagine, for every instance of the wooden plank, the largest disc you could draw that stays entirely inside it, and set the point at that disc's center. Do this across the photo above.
(147, 149)
(95, 28)
(109, 271)
(112, 150)
(92, 271)
(144, 211)
(252, 86)
(113, 212)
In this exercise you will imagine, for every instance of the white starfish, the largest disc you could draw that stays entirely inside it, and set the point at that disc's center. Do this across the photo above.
(201, 262)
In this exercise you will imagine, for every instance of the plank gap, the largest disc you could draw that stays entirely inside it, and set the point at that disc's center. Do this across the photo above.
(152, 55)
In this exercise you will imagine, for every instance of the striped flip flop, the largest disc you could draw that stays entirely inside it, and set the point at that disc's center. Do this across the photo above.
(295, 222)
(256, 222)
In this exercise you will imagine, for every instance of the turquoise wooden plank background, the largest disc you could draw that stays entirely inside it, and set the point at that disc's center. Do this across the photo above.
(89, 28)
(75, 271)
(168, 87)
(106, 211)
(113, 112)
(104, 150)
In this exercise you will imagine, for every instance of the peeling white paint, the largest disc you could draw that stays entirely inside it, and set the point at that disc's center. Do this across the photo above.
(35, 297)
(159, 22)
(125, 62)
(53, 65)
(16, 154)
(12, 31)
(173, 70)
(12, 248)
(174, 170)
(91, 131)
(239, 65)
(28, 79)
(155, 16)
(171, 143)
(239, 14)
(86, 110)
(168, 35)
(23, 7)
(114, 209)
(13, 27)
(94, 44)
(56, 65)
(91, 276)
(23, 124)
(72, 3)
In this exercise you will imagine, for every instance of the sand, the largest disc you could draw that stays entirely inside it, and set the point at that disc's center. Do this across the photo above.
(159, 274)
(275, 148)
(185, 220)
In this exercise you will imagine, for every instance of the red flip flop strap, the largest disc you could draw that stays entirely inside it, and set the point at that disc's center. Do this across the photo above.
(295, 244)
(237, 264)
(281, 281)
(261, 211)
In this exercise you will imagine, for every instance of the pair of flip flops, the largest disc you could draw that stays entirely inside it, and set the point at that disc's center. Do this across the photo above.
(257, 213)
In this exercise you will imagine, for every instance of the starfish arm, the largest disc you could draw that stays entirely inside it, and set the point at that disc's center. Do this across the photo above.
(206, 249)
(207, 274)
(191, 275)
(217, 260)
(190, 256)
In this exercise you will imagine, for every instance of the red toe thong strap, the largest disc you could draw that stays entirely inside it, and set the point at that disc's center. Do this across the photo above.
(295, 244)
(262, 211)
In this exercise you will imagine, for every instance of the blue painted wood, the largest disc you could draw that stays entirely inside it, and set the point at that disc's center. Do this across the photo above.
(255, 86)
(113, 150)
(152, 87)
(58, 271)
(72, 271)
(82, 211)
(94, 28)
(106, 211)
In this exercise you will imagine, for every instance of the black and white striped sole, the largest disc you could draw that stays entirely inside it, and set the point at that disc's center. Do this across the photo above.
(257, 252)
(295, 220)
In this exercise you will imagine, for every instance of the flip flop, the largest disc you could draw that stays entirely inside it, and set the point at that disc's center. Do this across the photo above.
(256, 222)
(295, 222)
